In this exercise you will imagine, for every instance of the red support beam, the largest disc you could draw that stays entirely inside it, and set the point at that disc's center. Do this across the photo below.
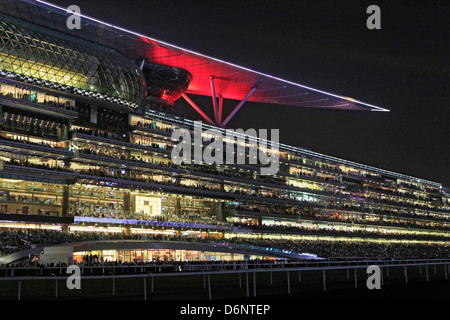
(196, 108)
(232, 113)
(220, 111)
(214, 98)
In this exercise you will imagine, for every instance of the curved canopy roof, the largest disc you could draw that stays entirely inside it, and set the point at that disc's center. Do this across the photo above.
(230, 81)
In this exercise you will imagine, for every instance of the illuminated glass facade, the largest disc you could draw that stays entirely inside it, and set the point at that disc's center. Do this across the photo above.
(49, 59)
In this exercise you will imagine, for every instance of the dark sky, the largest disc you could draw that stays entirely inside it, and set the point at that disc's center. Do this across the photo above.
(403, 67)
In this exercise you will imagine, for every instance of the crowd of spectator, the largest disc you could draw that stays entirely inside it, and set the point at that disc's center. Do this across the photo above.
(13, 241)
(183, 217)
(45, 165)
(16, 94)
(340, 249)
(310, 230)
(101, 134)
(337, 215)
(364, 200)
(115, 153)
(41, 143)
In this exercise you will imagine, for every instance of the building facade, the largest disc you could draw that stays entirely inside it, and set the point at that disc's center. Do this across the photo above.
(85, 147)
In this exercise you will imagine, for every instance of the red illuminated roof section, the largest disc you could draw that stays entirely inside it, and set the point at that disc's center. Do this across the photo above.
(235, 82)
(230, 81)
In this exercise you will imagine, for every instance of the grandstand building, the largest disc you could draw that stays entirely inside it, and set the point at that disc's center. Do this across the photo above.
(86, 120)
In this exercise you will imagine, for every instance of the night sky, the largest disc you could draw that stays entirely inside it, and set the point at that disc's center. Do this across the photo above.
(403, 67)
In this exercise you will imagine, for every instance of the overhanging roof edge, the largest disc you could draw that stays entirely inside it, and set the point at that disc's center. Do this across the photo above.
(191, 52)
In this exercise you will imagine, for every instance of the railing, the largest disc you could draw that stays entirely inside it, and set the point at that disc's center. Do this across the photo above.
(155, 267)
(156, 270)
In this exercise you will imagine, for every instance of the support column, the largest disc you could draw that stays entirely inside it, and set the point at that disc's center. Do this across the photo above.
(127, 202)
(177, 206)
(246, 278)
(406, 274)
(254, 284)
(65, 201)
(288, 283)
(209, 286)
(196, 108)
(240, 104)
(93, 116)
(217, 210)
(220, 111)
(214, 98)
